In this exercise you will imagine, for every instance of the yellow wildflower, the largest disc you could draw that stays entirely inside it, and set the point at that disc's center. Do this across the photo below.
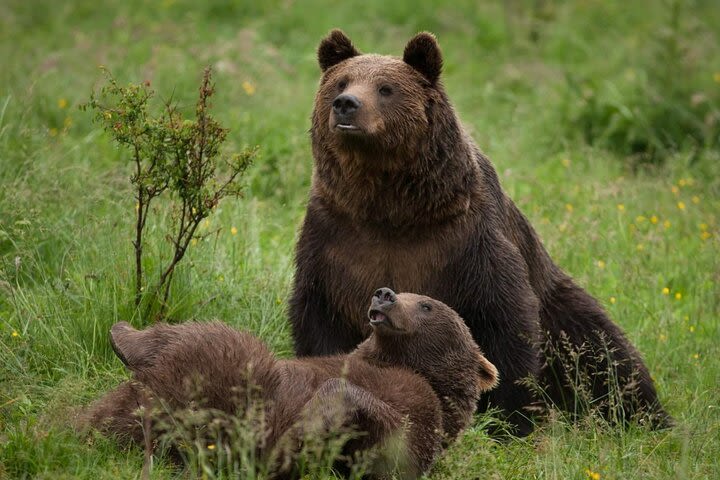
(221, 278)
(663, 337)
(681, 205)
(692, 328)
(569, 207)
(62, 103)
(613, 300)
(653, 219)
(640, 247)
(705, 235)
(682, 182)
(666, 291)
(695, 199)
(666, 224)
(640, 219)
(621, 207)
(675, 189)
(592, 475)
(678, 296)
(14, 334)
(53, 132)
(233, 231)
(600, 264)
(211, 446)
(248, 87)
(696, 356)
(703, 226)
(565, 162)
(193, 242)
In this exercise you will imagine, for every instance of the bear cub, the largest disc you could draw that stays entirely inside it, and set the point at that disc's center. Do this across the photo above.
(413, 382)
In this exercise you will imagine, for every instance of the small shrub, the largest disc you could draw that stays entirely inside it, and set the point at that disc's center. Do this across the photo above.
(174, 157)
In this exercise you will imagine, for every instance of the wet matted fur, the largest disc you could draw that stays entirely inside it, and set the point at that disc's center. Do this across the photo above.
(415, 382)
(402, 196)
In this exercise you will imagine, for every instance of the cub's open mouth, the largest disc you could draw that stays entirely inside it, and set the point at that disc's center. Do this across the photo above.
(378, 318)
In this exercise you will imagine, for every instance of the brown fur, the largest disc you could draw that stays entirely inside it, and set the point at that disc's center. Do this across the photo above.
(418, 375)
(406, 199)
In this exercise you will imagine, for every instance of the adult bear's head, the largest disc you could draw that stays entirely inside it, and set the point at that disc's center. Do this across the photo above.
(387, 144)
(378, 103)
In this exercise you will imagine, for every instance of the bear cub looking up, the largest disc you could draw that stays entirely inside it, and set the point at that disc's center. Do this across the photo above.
(416, 379)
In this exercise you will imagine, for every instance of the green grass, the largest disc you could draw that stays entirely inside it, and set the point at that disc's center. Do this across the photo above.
(66, 207)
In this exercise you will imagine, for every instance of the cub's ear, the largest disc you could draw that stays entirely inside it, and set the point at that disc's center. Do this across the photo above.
(335, 48)
(423, 54)
(138, 348)
(489, 376)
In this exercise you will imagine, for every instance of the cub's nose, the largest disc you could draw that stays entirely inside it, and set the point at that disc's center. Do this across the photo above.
(384, 296)
(346, 104)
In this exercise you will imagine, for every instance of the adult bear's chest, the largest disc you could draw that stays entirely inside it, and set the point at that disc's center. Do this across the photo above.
(359, 260)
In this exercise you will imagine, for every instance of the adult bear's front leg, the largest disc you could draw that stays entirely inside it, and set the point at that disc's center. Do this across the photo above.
(489, 287)
(317, 328)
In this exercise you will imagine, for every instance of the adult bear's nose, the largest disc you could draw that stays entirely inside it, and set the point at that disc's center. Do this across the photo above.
(346, 104)
(385, 296)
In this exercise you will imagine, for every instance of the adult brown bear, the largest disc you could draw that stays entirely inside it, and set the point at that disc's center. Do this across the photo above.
(402, 196)
(408, 389)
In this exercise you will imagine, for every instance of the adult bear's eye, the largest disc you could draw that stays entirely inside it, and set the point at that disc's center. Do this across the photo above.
(342, 84)
(385, 91)
(426, 307)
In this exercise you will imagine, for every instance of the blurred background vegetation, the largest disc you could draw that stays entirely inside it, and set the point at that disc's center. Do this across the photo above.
(602, 118)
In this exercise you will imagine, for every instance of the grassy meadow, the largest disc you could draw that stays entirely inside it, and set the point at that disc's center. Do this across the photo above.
(600, 116)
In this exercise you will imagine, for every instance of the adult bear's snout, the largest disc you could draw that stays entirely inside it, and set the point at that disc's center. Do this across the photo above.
(345, 105)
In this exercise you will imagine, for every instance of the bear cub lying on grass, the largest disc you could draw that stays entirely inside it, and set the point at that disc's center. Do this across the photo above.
(406, 391)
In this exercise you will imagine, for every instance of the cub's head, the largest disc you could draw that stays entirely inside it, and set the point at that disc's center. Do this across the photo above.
(376, 102)
(430, 337)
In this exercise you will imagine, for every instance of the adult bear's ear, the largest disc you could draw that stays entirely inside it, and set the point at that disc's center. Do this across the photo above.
(423, 54)
(335, 48)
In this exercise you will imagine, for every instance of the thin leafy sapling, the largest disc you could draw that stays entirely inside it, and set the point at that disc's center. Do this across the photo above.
(174, 157)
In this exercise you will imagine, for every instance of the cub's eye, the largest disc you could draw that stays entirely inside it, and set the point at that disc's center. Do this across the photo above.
(426, 307)
(342, 84)
(385, 91)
